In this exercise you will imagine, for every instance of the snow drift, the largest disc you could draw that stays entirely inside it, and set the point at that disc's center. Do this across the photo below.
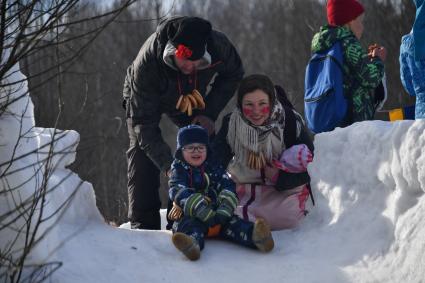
(368, 224)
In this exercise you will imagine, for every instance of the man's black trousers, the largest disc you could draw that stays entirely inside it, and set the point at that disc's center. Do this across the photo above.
(143, 187)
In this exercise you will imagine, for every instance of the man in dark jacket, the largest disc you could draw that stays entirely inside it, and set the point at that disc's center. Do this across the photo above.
(172, 73)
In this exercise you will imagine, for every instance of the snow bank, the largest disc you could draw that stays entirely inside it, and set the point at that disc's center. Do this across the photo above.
(371, 179)
(34, 177)
(368, 224)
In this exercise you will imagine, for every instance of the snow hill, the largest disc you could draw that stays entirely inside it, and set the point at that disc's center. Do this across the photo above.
(368, 224)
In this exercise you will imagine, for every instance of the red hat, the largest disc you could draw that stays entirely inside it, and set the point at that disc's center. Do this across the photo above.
(341, 12)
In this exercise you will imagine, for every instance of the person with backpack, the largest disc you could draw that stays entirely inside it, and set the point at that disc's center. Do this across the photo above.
(412, 60)
(266, 148)
(362, 70)
(187, 71)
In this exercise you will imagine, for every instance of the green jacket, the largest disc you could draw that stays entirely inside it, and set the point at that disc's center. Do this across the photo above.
(362, 74)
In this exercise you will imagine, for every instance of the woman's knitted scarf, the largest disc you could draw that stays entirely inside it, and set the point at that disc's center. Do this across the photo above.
(243, 136)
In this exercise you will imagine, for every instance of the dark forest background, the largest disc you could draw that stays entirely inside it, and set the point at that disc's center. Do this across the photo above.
(272, 37)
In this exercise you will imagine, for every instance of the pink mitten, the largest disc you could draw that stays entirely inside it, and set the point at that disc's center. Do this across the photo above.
(294, 159)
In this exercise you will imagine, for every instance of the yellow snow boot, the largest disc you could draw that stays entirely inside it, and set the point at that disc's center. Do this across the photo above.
(187, 245)
(262, 236)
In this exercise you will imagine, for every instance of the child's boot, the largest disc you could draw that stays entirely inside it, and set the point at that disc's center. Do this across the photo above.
(262, 236)
(187, 245)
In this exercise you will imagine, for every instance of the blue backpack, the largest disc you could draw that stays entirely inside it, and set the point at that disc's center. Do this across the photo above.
(324, 100)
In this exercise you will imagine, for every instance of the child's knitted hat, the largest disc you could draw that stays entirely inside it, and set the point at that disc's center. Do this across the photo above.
(190, 134)
(341, 12)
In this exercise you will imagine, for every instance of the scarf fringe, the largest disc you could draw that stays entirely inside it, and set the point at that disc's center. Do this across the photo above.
(239, 128)
(243, 137)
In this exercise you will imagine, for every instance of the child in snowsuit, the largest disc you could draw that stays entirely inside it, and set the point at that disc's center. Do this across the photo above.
(363, 69)
(204, 200)
(412, 60)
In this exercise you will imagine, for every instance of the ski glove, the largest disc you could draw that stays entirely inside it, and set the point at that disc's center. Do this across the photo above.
(221, 219)
(227, 204)
(198, 206)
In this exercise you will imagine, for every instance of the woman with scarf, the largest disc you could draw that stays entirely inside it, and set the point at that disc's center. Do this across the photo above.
(266, 147)
(412, 60)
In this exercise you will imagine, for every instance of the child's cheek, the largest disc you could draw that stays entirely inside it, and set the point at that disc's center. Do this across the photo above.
(246, 111)
(265, 110)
